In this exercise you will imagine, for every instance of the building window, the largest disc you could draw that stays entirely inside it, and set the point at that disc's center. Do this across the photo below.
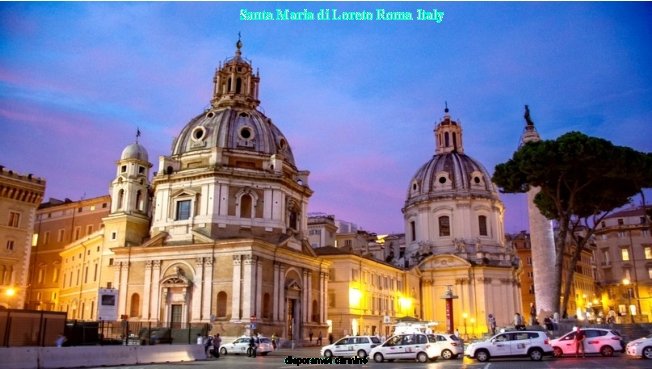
(121, 195)
(46, 238)
(55, 275)
(77, 233)
(624, 254)
(649, 272)
(10, 245)
(444, 226)
(605, 256)
(528, 260)
(331, 299)
(267, 306)
(331, 274)
(123, 168)
(139, 198)
(183, 210)
(86, 274)
(648, 252)
(413, 230)
(347, 243)
(89, 229)
(621, 221)
(645, 233)
(95, 273)
(482, 221)
(14, 219)
(245, 206)
(41, 274)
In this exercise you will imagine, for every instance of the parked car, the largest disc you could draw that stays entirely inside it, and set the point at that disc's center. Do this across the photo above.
(241, 345)
(351, 346)
(154, 336)
(419, 346)
(450, 346)
(641, 347)
(532, 344)
(596, 340)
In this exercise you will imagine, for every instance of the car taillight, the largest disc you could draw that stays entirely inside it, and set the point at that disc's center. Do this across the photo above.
(453, 343)
(546, 341)
(615, 338)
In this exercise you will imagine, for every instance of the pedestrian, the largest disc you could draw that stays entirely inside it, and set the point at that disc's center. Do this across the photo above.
(310, 335)
(492, 324)
(579, 342)
(611, 316)
(518, 322)
(200, 339)
(319, 339)
(533, 314)
(217, 342)
(330, 338)
(274, 341)
(457, 333)
(252, 346)
(547, 321)
(61, 339)
(208, 344)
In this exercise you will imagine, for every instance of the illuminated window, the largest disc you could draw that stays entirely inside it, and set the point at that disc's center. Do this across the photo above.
(648, 252)
(649, 273)
(183, 210)
(444, 226)
(624, 254)
(245, 206)
(14, 219)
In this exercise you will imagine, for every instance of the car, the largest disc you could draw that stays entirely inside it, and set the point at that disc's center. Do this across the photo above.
(419, 346)
(532, 344)
(241, 345)
(451, 346)
(596, 340)
(351, 346)
(641, 347)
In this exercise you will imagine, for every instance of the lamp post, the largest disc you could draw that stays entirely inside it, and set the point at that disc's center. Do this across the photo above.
(629, 299)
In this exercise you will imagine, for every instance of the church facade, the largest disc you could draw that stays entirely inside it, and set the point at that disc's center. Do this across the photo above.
(224, 238)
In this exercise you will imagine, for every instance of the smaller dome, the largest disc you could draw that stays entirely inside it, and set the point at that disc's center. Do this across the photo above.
(135, 151)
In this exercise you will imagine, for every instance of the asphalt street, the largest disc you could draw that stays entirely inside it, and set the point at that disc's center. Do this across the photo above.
(276, 360)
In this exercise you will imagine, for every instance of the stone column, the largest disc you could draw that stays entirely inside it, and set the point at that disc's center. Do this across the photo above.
(235, 302)
(248, 287)
(195, 292)
(208, 289)
(147, 290)
(323, 301)
(281, 294)
(275, 308)
(309, 293)
(304, 297)
(259, 289)
(124, 274)
(156, 290)
(322, 297)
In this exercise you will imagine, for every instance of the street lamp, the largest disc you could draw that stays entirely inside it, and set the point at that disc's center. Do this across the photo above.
(629, 299)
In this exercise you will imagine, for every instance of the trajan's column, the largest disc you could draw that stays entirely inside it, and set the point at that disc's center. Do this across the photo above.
(541, 238)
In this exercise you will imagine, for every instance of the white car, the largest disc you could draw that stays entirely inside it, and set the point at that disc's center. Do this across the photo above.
(450, 346)
(241, 345)
(351, 346)
(596, 340)
(419, 346)
(532, 344)
(641, 347)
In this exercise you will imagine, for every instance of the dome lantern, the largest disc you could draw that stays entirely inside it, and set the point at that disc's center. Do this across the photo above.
(234, 83)
(448, 135)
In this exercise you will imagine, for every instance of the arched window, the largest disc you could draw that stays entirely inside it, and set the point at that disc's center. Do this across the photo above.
(228, 85)
(238, 85)
(139, 196)
(266, 306)
(293, 220)
(245, 206)
(482, 222)
(135, 305)
(121, 195)
(445, 139)
(221, 304)
(454, 141)
(444, 226)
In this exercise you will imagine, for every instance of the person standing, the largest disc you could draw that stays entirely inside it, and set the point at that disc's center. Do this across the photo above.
(319, 339)
(310, 335)
(61, 339)
(274, 341)
(330, 338)
(217, 342)
(208, 344)
(518, 322)
(492, 324)
(252, 347)
(579, 342)
(533, 314)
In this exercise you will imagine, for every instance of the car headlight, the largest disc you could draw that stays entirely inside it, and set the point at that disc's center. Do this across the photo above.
(634, 344)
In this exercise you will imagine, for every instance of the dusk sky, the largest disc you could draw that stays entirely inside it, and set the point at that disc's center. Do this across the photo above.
(357, 100)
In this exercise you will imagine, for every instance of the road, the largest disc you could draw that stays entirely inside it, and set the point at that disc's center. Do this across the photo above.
(276, 360)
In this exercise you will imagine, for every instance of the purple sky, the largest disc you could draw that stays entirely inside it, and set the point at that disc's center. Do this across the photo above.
(357, 100)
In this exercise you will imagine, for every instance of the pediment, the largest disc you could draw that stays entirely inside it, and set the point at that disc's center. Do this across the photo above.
(443, 261)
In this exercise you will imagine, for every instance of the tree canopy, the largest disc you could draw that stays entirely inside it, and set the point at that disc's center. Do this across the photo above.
(581, 179)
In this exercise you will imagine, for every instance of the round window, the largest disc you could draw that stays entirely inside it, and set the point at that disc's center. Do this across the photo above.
(198, 133)
(245, 133)
(442, 180)
(476, 180)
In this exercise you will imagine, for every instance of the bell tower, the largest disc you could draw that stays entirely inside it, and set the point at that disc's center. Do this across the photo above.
(234, 83)
(448, 135)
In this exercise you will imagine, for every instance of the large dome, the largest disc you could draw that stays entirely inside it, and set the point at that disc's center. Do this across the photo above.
(450, 175)
(233, 128)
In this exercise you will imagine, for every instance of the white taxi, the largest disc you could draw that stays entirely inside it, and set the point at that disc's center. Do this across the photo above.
(641, 347)
(419, 346)
(596, 340)
(532, 344)
(351, 346)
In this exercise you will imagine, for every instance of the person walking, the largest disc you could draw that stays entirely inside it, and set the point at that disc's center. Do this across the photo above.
(579, 342)
(492, 323)
(208, 345)
(310, 335)
(252, 346)
(330, 338)
(274, 341)
(319, 339)
(217, 342)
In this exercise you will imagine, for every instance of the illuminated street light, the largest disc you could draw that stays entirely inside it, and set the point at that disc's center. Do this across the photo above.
(464, 316)
(10, 292)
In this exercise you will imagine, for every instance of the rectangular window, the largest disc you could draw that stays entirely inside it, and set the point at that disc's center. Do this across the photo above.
(482, 220)
(183, 210)
(14, 219)
(89, 229)
(624, 254)
(444, 226)
(41, 273)
(605, 257)
(348, 243)
(95, 273)
(77, 233)
(621, 222)
(528, 260)
(645, 233)
(649, 273)
(114, 235)
(648, 252)
(331, 299)
(10, 245)
(46, 238)
(60, 235)
(86, 274)
(55, 275)
(355, 275)
(413, 229)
